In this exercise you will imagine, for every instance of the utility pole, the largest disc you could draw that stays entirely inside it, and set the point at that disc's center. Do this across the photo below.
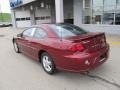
(1, 13)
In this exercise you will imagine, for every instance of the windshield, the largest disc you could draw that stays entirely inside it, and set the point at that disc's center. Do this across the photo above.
(67, 30)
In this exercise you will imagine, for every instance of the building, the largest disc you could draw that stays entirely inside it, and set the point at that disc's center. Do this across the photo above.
(103, 15)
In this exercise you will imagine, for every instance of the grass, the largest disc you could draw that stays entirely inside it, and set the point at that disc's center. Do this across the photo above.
(5, 17)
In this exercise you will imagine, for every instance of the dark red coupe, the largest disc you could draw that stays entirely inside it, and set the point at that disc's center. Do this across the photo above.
(63, 46)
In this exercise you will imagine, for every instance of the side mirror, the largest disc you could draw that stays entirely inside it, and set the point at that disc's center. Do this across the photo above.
(19, 35)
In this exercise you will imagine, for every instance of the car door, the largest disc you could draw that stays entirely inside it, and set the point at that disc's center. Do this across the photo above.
(37, 41)
(24, 41)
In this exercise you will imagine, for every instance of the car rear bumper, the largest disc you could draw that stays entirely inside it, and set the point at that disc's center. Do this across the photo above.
(82, 62)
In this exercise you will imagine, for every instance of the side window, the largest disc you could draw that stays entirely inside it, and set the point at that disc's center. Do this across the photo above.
(29, 32)
(39, 33)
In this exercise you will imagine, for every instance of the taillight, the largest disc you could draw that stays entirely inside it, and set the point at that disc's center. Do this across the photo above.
(78, 47)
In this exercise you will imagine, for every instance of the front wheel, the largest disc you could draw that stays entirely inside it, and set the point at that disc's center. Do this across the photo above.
(16, 48)
(47, 63)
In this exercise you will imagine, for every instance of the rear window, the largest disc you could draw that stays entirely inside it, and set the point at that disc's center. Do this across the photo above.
(67, 30)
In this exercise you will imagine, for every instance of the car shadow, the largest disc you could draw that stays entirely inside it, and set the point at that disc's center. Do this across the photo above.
(64, 76)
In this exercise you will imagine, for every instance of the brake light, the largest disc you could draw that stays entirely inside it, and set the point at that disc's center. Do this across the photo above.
(78, 47)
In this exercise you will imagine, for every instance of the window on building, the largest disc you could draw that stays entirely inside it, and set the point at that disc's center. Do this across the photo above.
(117, 19)
(87, 12)
(101, 12)
(37, 18)
(118, 5)
(22, 19)
(108, 18)
(17, 19)
(109, 6)
(27, 18)
(87, 3)
(42, 18)
(47, 17)
(109, 2)
(109, 11)
(97, 11)
(87, 16)
(97, 3)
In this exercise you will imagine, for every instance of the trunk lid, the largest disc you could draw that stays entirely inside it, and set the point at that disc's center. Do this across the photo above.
(91, 41)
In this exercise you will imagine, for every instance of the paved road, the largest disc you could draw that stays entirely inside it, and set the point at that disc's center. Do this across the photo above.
(18, 72)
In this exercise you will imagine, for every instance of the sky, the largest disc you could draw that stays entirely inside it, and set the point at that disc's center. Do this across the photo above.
(4, 4)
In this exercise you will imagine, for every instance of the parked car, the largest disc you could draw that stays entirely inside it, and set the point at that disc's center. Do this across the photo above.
(1, 25)
(5, 25)
(63, 47)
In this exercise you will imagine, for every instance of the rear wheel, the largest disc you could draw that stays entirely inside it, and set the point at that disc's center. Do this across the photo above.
(16, 48)
(47, 63)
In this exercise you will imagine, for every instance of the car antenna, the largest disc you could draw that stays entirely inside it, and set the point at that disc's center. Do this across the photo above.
(61, 34)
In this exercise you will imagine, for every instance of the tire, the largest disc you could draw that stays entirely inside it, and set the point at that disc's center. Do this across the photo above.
(47, 63)
(16, 48)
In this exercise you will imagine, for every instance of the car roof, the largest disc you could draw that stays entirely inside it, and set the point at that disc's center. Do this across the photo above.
(47, 24)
